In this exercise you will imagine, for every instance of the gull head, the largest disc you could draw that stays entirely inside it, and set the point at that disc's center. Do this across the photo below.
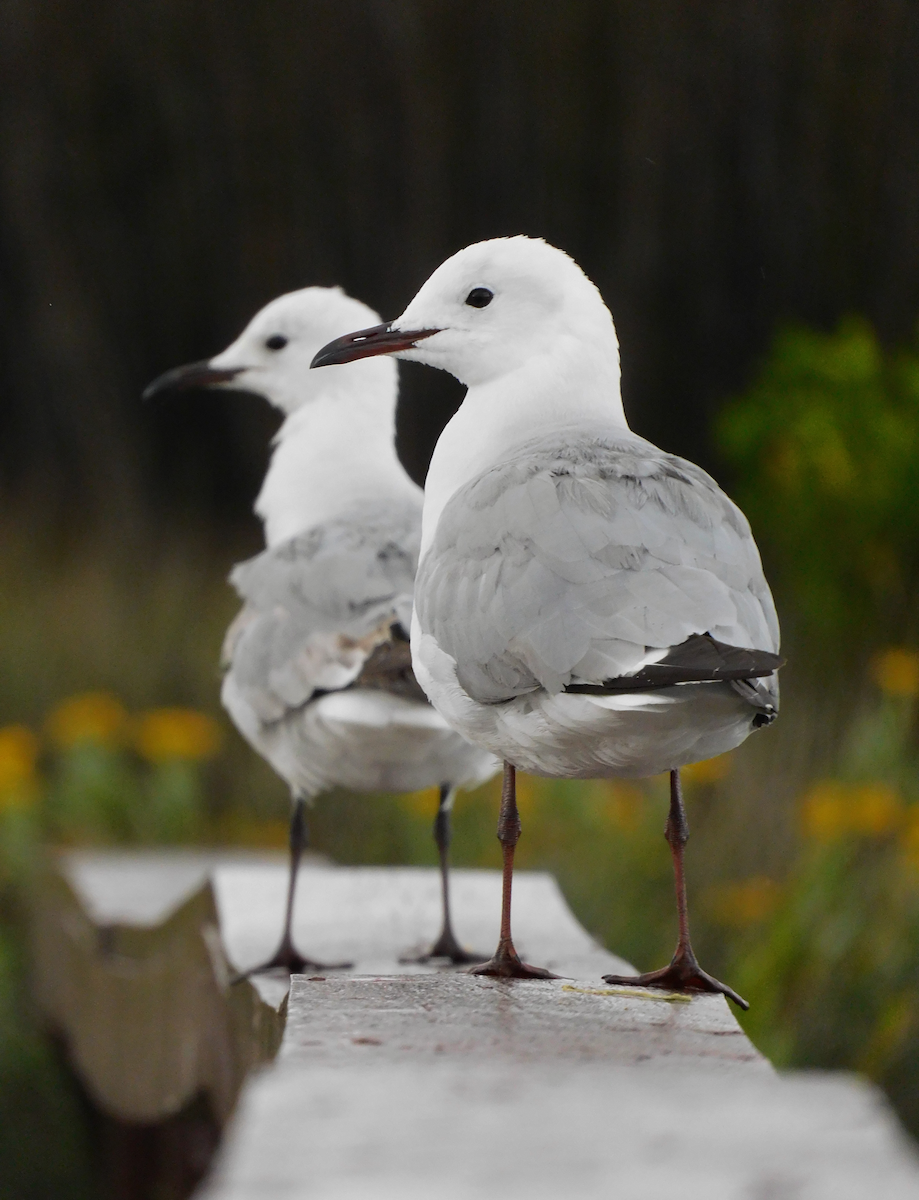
(271, 357)
(489, 310)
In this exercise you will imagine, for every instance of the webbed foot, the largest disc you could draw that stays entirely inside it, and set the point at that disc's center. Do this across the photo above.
(682, 975)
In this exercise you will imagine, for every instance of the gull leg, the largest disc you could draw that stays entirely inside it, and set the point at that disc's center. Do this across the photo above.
(287, 956)
(506, 962)
(683, 974)
(447, 946)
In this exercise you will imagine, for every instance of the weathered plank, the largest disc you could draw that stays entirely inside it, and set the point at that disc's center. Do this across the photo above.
(460, 1129)
(454, 1086)
(131, 975)
(134, 952)
(409, 1080)
(420, 1018)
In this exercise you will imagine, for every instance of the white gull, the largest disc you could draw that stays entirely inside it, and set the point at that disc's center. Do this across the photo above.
(318, 667)
(587, 605)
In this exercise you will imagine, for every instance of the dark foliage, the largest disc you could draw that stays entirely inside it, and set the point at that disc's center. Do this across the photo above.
(168, 166)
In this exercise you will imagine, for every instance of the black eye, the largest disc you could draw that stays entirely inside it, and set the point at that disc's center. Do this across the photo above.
(277, 341)
(480, 298)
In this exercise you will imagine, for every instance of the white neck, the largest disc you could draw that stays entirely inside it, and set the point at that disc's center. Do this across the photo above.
(335, 451)
(572, 385)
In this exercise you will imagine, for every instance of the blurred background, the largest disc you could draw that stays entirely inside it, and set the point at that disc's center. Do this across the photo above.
(741, 180)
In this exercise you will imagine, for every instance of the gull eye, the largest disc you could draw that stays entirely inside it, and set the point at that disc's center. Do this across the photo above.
(480, 298)
(277, 341)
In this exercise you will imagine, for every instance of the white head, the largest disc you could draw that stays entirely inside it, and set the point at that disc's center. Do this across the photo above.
(272, 355)
(489, 309)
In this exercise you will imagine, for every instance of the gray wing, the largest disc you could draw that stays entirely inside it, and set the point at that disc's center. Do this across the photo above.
(320, 607)
(566, 568)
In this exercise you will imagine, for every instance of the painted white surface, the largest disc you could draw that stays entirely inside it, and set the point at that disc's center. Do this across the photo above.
(453, 1129)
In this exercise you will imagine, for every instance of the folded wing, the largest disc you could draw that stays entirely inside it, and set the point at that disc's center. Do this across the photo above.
(323, 608)
(592, 564)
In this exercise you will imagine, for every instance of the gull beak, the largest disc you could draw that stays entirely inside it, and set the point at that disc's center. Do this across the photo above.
(379, 339)
(194, 375)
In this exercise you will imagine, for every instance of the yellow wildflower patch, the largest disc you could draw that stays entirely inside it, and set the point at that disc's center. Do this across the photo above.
(896, 672)
(710, 770)
(832, 809)
(164, 734)
(90, 717)
(744, 902)
(876, 809)
(823, 811)
(421, 804)
(18, 753)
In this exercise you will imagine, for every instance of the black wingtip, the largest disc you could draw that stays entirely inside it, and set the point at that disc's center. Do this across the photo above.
(700, 659)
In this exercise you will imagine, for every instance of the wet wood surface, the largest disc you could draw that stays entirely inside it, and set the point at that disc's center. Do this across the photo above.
(402, 1079)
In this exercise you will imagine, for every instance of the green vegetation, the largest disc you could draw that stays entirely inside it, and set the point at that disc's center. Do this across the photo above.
(825, 448)
(804, 861)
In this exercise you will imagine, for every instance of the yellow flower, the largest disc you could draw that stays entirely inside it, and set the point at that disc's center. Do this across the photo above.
(875, 809)
(90, 717)
(823, 811)
(710, 770)
(421, 804)
(744, 902)
(169, 733)
(18, 753)
(831, 809)
(896, 672)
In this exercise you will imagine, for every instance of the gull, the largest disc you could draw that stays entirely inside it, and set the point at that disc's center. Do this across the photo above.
(586, 604)
(318, 674)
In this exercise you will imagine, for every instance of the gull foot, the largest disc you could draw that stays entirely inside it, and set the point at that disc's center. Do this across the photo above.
(446, 947)
(682, 975)
(289, 960)
(507, 964)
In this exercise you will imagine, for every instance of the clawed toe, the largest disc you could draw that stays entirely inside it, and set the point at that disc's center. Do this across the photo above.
(682, 975)
(519, 970)
(291, 962)
(506, 964)
(455, 958)
(448, 949)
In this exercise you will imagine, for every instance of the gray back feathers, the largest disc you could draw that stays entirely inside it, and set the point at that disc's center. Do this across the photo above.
(567, 566)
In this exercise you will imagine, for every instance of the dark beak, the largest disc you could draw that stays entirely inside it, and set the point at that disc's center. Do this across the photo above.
(379, 339)
(195, 375)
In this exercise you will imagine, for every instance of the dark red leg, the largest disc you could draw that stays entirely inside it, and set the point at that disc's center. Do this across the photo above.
(446, 945)
(287, 957)
(683, 974)
(506, 962)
